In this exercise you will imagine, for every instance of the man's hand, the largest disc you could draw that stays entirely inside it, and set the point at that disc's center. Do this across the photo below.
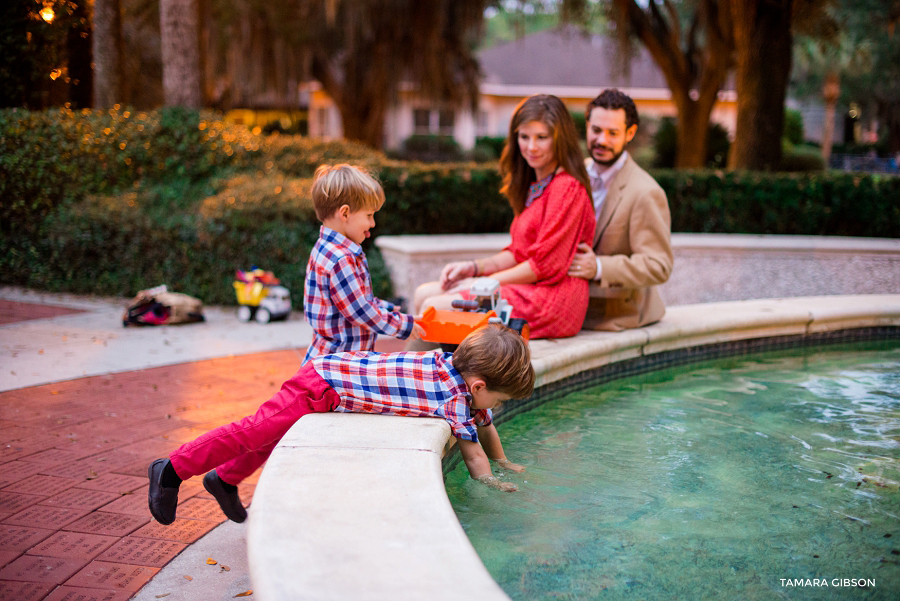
(584, 264)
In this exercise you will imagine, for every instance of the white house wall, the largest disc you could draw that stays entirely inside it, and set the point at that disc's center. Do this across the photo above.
(498, 103)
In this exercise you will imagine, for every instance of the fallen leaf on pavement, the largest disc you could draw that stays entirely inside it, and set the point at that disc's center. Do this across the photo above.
(211, 562)
(186, 577)
(245, 593)
(226, 569)
(163, 595)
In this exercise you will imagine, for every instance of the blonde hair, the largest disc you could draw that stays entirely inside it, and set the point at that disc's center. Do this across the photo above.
(338, 185)
(500, 357)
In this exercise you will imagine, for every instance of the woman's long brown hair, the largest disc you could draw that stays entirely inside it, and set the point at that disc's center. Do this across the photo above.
(517, 174)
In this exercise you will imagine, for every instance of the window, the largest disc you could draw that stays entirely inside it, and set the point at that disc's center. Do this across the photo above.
(427, 121)
(445, 122)
(421, 121)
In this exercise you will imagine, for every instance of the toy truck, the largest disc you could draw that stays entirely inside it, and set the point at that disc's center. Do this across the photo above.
(260, 296)
(449, 327)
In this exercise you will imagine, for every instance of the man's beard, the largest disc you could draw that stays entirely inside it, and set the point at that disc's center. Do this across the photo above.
(611, 161)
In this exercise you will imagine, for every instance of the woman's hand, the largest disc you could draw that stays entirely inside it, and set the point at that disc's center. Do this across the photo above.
(456, 271)
(584, 264)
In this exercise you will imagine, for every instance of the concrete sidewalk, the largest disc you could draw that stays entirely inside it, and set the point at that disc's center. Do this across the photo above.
(55, 337)
(85, 406)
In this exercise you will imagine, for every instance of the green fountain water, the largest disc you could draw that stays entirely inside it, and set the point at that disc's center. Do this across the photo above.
(750, 478)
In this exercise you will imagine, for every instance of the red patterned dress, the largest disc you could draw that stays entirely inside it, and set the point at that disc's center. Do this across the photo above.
(546, 234)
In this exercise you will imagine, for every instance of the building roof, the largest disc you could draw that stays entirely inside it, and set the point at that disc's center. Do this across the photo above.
(568, 58)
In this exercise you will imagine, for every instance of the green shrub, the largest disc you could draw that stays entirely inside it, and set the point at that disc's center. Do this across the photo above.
(580, 123)
(50, 157)
(482, 153)
(495, 143)
(774, 203)
(79, 217)
(430, 147)
(802, 158)
(105, 246)
(793, 126)
(717, 146)
(448, 198)
(299, 156)
(256, 198)
(665, 144)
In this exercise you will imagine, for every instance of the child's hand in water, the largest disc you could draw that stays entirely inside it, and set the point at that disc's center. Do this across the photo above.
(494, 482)
(506, 464)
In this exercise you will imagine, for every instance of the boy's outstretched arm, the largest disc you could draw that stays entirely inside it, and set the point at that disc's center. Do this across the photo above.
(351, 294)
(480, 466)
(490, 442)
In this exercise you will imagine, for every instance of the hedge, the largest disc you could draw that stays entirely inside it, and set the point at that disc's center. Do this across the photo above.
(831, 204)
(199, 199)
(123, 243)
(48, 158)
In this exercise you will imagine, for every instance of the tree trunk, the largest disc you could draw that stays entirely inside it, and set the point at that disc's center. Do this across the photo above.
(693, 127)
(889, 114)
(78, 50)
(180, 45)
(831, 91)
(690, 150)
(366, 127)
(107, 53)
(762, 36)
(359, 93)
(694, 75)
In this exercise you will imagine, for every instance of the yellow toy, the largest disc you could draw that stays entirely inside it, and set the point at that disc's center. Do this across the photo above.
(260, 296)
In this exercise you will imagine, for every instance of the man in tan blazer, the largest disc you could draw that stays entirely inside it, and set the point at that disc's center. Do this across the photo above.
(632, 252)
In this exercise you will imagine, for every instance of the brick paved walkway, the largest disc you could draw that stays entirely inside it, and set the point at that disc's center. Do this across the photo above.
(73, 472)
(74, 524)
(12, 311)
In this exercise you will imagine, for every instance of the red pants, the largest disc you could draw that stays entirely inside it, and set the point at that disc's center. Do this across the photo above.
(237, 449)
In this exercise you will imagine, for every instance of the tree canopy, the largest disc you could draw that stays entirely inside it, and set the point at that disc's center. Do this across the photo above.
(871, 30)
(694, 48)
(362, 51)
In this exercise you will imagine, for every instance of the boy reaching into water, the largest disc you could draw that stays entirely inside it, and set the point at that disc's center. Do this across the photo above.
(338, 301)
(491, 365)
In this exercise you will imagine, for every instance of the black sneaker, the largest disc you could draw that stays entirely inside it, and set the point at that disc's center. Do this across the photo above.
(163, 501)
(228, 499)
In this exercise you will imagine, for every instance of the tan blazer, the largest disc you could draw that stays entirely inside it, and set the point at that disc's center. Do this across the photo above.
(633, 241)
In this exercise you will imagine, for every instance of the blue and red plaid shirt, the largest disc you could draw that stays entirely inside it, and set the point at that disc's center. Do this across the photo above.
(339, 303)
(413, 384)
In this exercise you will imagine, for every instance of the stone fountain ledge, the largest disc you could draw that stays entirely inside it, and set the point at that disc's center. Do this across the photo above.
(708, 267)
(353, 506)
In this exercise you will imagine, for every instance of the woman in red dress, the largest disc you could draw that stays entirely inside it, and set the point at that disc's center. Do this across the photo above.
(546, 183)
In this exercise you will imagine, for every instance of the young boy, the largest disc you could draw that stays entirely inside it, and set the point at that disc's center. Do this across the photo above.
(491, 365)
(338, 301)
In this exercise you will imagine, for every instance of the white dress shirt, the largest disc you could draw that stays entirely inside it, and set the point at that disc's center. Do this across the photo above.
(600, 177)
